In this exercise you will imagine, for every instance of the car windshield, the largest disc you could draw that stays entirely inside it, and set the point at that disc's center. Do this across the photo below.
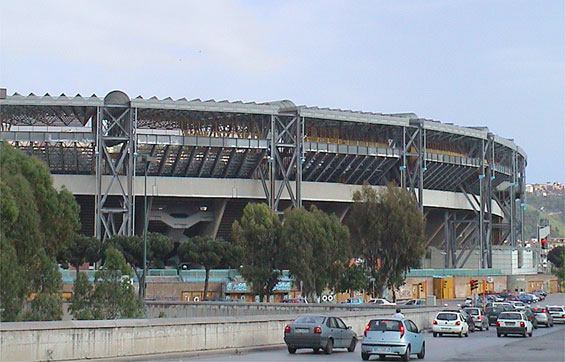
(310, 319)
(384, 325)
(447, 316)
(555, 309)
(510, 316)
(472, 311)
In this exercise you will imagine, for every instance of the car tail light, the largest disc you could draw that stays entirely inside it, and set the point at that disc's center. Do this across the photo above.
(317, 330)
(498, 323)
(401, 329)
(563, 316)
(479, 317)
(544, 310)
(287, 329)
(458, 323)
(434, 322)
(366, 329)
(522, 324)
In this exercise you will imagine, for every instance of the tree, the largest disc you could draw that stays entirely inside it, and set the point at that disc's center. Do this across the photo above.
(389, 232)
(319, 247)
(114, 296)
(557, 257)
(158, 246)
(208, 252)
(34, 218)
(258, 233)
(13, 286)
(83, 248)
(354, 278)
(47, 283)
(111, 296)
(80, 304)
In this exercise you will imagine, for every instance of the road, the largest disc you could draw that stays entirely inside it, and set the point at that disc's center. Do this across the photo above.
(547, 344)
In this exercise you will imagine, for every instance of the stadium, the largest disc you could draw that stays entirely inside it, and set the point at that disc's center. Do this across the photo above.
(194, 165)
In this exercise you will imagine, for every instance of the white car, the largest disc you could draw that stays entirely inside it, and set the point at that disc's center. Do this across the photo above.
(513, 323)
(380, 301)
(557, 313)
(518, 305)
(450, 323)
(498, 304)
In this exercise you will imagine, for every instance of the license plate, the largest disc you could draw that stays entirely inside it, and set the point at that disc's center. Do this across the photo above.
(383, 349)
(302, 330)
(445, 329)
(509, 323)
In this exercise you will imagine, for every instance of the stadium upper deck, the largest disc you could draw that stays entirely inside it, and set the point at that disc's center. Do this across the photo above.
(286, 151)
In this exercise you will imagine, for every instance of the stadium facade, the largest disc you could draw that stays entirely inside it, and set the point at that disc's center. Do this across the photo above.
(200, 162)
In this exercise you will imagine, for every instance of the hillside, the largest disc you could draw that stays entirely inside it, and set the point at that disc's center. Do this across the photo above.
(552, 208)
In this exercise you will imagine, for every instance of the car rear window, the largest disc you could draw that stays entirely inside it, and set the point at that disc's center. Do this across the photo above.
(384, 325)
(555, 309)
(495, 310)
(310, 319)
(447, 316)
(472, 311)
(510, 316)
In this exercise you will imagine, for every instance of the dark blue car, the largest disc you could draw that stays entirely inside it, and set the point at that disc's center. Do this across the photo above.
(526, 298)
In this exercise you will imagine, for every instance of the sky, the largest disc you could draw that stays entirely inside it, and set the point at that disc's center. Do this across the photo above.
(499, 64)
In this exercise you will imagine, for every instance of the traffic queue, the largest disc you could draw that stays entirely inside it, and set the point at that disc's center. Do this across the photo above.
(400, 336)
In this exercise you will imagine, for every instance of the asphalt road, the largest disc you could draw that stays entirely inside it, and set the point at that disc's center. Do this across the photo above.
(547, 344)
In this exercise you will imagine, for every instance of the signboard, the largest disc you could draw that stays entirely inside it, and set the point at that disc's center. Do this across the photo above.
(241, 287)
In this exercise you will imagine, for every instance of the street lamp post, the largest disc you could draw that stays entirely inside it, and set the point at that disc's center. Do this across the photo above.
(147, 161)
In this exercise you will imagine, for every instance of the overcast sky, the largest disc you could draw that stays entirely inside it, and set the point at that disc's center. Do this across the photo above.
(489, 63)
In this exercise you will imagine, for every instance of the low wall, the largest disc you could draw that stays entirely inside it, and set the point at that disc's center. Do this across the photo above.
(178, 309)
(73, 340)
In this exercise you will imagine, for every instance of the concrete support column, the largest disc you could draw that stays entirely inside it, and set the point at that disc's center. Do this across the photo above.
(211, 229)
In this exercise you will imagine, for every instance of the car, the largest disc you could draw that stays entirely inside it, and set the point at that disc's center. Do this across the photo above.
(513, 323)
(319, 332)
(493, 312)
(295, 300)
(540, 294)
(496, 304)
(468, 302)
(511, 298)
(479, 319)
(468, 317)
(392, 336)
(380, 301)
(528, 298)
(493, 298)
(557, 313)
(415, 302)
(518, 305)
(353, 300)
(504, 294)
(543, 316)
(531, 316)
(450, 323)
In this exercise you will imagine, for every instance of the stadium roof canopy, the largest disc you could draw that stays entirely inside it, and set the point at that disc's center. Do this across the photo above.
(74, 103)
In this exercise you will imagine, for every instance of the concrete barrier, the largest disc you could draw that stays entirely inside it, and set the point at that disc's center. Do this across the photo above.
(178, 309)
(74, 340)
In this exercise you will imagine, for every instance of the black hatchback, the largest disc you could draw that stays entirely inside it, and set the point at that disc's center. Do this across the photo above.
(493, 312)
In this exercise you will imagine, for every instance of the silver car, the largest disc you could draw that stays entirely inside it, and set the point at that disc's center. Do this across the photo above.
(319, 332)
(393, 337)
(557, 313)
(479, 319)
(543, 316)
